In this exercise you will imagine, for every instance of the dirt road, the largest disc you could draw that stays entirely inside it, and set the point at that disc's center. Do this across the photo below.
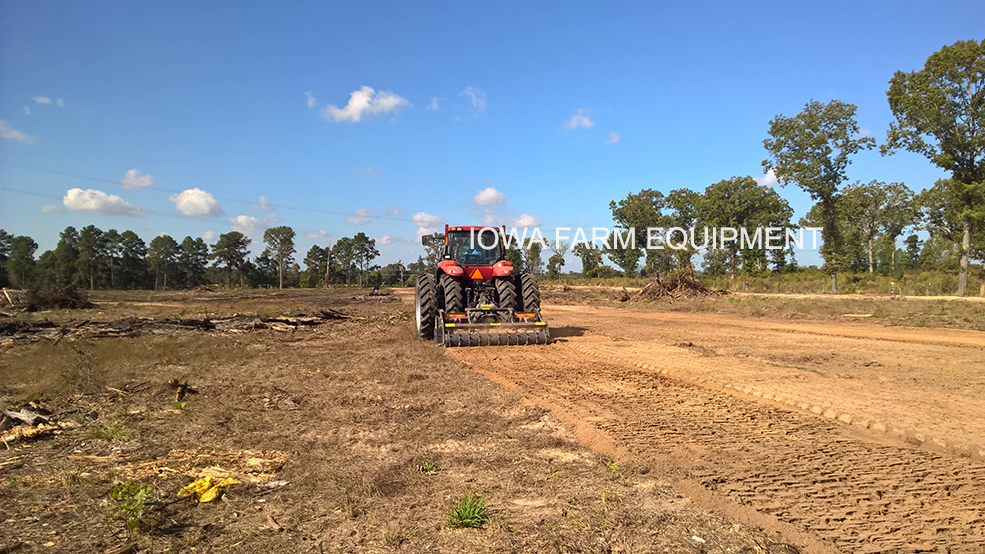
(847, 435)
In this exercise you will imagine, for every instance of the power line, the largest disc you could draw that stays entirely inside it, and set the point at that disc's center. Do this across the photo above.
(173, 191)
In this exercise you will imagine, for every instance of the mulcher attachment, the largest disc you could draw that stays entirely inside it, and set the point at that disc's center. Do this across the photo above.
(491, 326)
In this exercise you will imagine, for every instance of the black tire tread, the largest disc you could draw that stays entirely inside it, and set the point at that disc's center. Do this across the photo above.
(529, 300)
(453, 293)
(426, 297)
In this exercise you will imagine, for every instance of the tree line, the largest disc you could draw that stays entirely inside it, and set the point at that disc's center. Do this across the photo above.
(93, 259)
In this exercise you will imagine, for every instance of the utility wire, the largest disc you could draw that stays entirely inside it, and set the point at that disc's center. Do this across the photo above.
(173, 191)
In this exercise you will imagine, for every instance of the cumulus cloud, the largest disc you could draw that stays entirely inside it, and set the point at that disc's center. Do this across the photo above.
(433, 106)
(426, 223)
(477, 97)
(210, 235)
(196, 203)
(489, 196)
(41, 100)
(249, 225)
(320, 234)
(359, 217)
(769, 180)
(263, 204)
(364, 100)
(312, 102)
(99, 202)
(135, 180)
(9, 133)
(61, 103)
(613, 138)
(580, 119)
(390, 239)
(49, 208)
(526, 220)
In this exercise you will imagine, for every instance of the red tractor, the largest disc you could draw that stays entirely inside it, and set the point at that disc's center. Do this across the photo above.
(475, 298)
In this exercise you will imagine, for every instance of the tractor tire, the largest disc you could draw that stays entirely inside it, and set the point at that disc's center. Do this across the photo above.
(426, 306)
(529, 298)
(505, 293)
(453, 293)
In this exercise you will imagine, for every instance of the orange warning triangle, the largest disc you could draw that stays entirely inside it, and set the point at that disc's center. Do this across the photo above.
(476, 274)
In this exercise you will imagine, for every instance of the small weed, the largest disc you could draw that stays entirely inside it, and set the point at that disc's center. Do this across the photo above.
(13, 479)
(470, 511)
(179, 405)
(430, 467)
(131, 503)
(613, 467)
(110, 432)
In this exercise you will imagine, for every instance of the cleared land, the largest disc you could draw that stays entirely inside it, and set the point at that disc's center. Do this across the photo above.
(721, 425)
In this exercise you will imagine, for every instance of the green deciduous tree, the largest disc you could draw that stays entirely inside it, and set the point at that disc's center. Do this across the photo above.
(280, 249)
(637, 212)
(741, 202)
(314, 262)
(813, 149)
(5, 239)
(590, 256)
(555, 263)
(940, 113)
(876, 212)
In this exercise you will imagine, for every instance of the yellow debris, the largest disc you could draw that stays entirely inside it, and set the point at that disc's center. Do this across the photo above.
(205, 489)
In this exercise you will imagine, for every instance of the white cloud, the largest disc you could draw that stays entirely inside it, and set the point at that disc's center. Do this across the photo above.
(426, 223)
(364, 100)
(613, 138)
(393, 211)
(135, 180)
(61, 103)
(369, 170)
(196, 203)
(526, 220)
(359, 217)
(865, 132)
(322, 234)
(9, 133)
(209, 235)
(433, 106)
(27, 109)
(769, 180)
(390, 239)
(312, 102)
(477, 96)
(49, 208)
(41, 100)
(249, 225)
(489, 196)
(263, 204)
(99, 202)
(580, 119)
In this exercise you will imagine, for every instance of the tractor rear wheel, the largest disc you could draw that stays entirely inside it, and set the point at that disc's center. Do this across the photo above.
(505, 292)
(426, 306)
(454, 295)
(529, 300)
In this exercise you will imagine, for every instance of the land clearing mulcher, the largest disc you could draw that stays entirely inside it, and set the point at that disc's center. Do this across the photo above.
(475, 297)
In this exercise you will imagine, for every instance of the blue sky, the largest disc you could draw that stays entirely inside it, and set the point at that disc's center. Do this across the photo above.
(243, 100)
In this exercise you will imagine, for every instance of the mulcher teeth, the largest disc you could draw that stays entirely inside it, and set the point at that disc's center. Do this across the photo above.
(519, 338)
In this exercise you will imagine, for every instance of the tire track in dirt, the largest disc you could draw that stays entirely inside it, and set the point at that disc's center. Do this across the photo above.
(853, 492)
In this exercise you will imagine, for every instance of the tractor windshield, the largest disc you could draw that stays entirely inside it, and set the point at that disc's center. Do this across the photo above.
(467, 249)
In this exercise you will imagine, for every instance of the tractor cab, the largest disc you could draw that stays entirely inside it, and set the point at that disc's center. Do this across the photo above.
(473, 247)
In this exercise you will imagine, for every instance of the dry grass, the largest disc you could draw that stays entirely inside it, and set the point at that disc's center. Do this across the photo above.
(346, 413)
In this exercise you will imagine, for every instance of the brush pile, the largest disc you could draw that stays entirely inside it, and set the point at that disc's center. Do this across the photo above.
(676, 286)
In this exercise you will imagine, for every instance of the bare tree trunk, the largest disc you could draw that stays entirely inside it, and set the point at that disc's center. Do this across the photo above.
(834, 281)
(870, 255)
(732, 264)
(280, 273)
(965, 259)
